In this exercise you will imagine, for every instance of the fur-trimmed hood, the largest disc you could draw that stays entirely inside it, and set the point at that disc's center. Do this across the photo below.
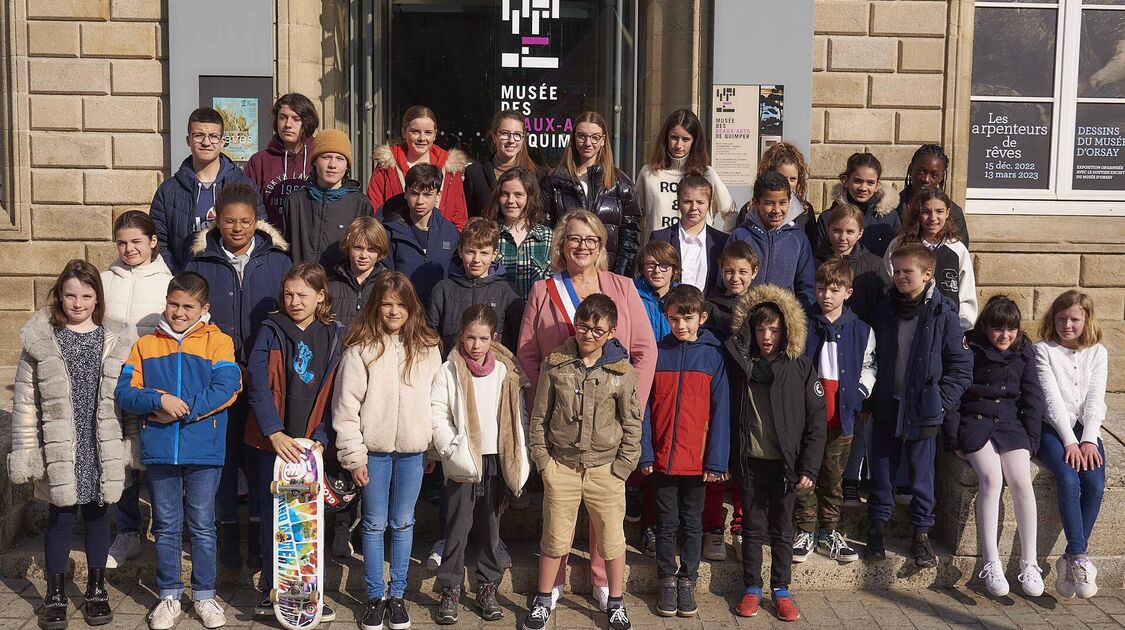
(451, 161)
(263, 228)
(614, 356)
(886, 198)
(793, 316)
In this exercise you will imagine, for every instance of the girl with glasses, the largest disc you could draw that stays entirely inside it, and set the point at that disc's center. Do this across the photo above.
(508, 137)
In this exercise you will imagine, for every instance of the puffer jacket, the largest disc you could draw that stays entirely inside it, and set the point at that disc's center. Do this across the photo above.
(953, 273)
(616, 206)
(42, 445)
(173, 209)
(136, 294)
(587, 416)
(377, 407)
(796, 395)
(278, 174)
(880, 221)
(868, 283)
(314, 228)
(784, 255)
(454, 295)
(348, 296)
(239, 308)
(389, 178)
(457, 425)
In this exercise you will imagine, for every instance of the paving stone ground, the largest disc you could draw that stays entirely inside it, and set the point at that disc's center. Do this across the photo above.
(926, 609)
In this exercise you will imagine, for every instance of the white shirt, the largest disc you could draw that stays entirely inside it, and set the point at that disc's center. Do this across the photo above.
(240, 261)
(693, 258)
(1074, 386)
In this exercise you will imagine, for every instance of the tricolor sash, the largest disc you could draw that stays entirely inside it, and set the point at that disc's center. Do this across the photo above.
(564, 298)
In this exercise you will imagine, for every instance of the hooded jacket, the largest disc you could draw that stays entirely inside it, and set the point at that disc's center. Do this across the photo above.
(796, 395)
(266, 375)
(805, 220)
(784, 255)
(454, 295)
(868, 282)
(198, 367)
(940, 370)
(880, 220)
(314, 228)
(457, 425)
(1005, 396)
(953, 274)
(616, 206)
(238, 308)
(587, 417)
(389, 179)
(173, 209)
(278, 174)
(426, 264)
(348, 296)
(136, 294)
(854, 361)
(654, 307)
(686, 428)
(42, 447)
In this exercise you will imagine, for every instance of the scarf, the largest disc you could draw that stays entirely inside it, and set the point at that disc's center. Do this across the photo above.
(484, 368)
(903, 306)
(329, 195)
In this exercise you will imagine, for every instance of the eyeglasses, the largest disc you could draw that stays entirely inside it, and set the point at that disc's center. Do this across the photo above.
(583, 329)
(244, 223)
(510, 135)
(198, 137)
(582, 138)
(651, 267)
(590, 242)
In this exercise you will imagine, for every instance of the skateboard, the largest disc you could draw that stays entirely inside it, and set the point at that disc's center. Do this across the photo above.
(298, 520)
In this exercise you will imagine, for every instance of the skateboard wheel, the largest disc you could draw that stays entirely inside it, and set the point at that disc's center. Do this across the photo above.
(314, 488)
(274, 487)
(273, 595)
(314, 597)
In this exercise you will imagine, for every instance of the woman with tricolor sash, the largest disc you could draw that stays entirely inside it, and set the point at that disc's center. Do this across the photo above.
(578, 257)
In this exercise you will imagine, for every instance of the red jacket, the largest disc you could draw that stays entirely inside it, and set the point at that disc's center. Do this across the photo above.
(390, 174)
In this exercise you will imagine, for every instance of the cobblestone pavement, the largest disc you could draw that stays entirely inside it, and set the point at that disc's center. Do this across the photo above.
(928, 609)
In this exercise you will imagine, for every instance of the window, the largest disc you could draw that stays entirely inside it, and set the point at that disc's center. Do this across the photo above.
(1047, 112)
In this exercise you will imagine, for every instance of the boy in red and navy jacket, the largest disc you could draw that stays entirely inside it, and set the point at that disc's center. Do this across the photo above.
(685, 442)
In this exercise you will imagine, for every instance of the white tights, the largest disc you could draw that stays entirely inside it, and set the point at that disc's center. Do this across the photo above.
(993, 469)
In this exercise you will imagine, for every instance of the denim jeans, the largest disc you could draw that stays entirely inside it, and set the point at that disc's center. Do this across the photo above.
(389, 498)
(1079, 493)
(127, 510)
(172, 488)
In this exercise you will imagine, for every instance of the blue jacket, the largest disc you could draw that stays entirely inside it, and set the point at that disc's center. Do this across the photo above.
(654, 308)
(238, 309)
(785, 257)
(173, 209)
(853, 343)
(425, 264)
(198, 367)
(940, 370)
(686, 428)
(715, 241)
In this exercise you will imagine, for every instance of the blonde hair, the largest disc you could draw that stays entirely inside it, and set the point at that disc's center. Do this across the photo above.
(366, 230)
(558, 239)
(313, 275)
(570, 160)
(1091, 332)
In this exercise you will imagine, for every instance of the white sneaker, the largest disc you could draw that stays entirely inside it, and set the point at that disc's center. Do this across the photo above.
(803, 546)
(210, 613)
(714, 548)
(434, 561)
(164, 614)
(994, 580)
(601, 595)
(1064, 579)
(503, 556)
(1085, 576)
(556, 594)
(1031, 579)
(126, 545)
(342, 540)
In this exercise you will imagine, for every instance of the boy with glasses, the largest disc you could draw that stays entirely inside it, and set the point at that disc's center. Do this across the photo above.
(185, 203)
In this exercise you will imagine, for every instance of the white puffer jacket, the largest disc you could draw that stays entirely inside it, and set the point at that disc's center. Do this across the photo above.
(136, 294)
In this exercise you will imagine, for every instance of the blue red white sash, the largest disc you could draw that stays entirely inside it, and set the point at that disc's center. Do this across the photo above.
(563, 296)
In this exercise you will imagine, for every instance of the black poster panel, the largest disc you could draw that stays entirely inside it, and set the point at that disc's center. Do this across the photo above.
(1098, 147)
(1009, 145)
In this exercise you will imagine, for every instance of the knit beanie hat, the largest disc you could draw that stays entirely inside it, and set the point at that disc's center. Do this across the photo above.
(332, 141)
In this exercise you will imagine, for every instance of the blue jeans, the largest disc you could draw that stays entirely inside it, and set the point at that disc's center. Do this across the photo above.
(389, 497)
(172, 488)
(1079, 493)
(127, 510)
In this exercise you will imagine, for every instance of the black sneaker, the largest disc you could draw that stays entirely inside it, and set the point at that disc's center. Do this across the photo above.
(374, 614)
(668, 603)
(489, 608)
(922, 551)
(447, 607)
(832, 544)
(538, 617)
(397, 617)
(634, 504)
(619, 619)
(327, 613)
(648, 542)
(687, 606)
(803, 546)
(876, 550)
(851, 493)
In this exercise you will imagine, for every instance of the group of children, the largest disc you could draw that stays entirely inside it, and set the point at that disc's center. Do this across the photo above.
(793, 353)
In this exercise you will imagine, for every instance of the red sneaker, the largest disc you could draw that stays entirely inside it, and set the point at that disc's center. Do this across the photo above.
(748, 605)
(786, 608)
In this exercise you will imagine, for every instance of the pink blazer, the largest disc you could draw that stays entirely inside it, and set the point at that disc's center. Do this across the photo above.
(543, 330)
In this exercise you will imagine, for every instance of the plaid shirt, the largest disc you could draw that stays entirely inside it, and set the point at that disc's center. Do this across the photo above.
(529, 262)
